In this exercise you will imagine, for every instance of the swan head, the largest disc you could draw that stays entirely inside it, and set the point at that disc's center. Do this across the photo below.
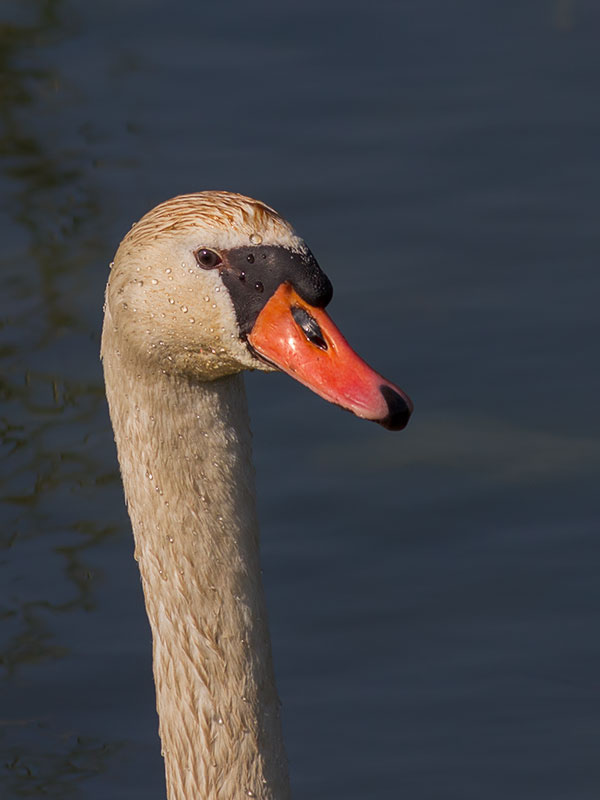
(206, 285)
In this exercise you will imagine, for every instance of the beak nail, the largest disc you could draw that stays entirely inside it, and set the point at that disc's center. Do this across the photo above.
(399, 409)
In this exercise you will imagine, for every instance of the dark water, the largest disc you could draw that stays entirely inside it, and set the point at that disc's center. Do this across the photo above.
(433, 594)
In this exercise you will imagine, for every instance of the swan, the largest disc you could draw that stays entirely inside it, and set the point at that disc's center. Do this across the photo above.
(203, 287)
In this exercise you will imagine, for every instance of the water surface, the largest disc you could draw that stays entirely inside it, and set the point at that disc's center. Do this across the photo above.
(433, 594)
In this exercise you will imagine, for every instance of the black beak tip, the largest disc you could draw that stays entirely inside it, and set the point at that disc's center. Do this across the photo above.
(399, 409)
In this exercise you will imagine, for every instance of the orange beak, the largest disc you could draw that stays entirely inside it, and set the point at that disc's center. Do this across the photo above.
(303, 341)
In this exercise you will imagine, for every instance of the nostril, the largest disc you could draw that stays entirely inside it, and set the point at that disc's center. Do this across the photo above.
(310, 327)
(399, 409)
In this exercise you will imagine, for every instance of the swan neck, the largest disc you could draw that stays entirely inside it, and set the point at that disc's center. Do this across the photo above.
(185, 455)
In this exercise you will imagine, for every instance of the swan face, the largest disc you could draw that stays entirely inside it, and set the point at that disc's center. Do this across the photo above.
(209, 284)
(170, 310)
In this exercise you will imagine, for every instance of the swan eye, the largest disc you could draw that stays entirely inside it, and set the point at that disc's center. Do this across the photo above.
(207, 259)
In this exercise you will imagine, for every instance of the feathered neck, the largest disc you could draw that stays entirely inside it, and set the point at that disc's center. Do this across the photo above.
(185, 454)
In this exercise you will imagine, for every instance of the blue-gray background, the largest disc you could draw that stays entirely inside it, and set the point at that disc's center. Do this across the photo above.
(434, 594)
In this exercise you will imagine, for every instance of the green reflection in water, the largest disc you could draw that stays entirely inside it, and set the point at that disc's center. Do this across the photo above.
(57, 773)
(46, 417)
(52, 402)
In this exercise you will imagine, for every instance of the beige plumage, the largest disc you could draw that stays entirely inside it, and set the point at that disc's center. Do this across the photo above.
(179, 414)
